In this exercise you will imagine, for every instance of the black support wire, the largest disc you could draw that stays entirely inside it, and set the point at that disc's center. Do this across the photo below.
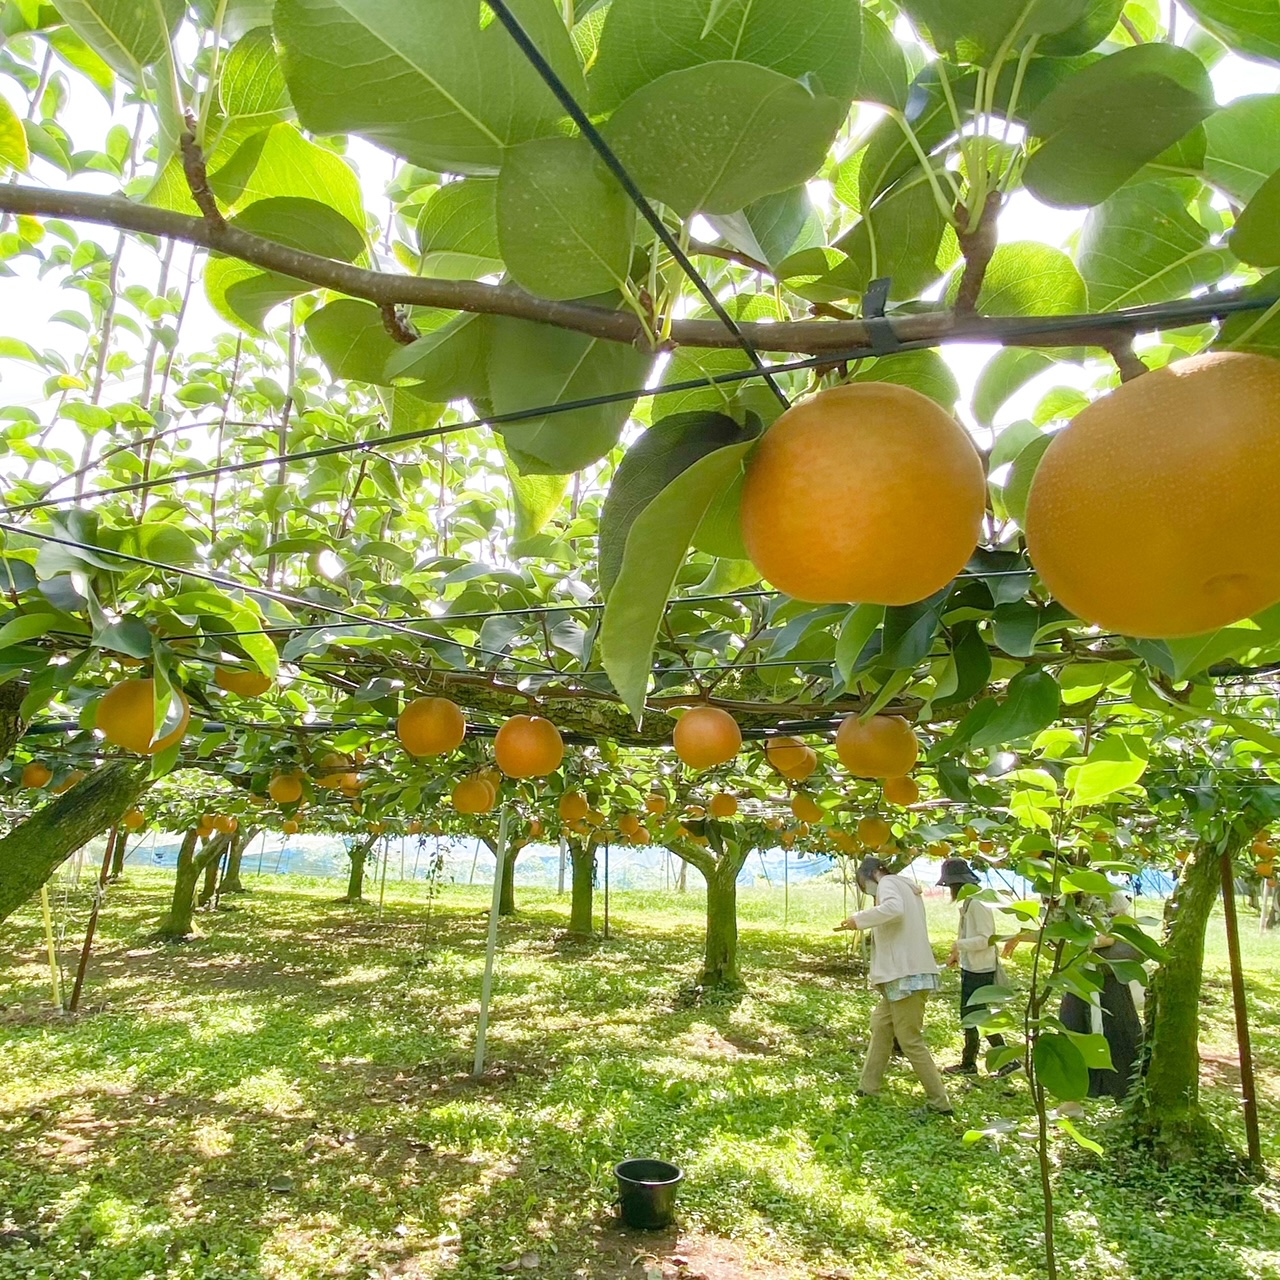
(230, 584)
(625, 180)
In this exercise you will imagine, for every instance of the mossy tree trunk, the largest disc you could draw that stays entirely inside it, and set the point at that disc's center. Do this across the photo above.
(209, 889)
(12, 726)
(1166, 1115)
(34, 849)
(358, 853)
(507, 898)
(720, 951)
(192, 862)
(582, 857)
(239, 843)
(118, 852)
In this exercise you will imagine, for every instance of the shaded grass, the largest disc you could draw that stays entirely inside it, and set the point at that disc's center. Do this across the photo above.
(287, 1098)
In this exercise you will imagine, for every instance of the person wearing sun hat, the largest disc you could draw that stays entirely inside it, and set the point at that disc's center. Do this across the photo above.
(904, 971)
(974, 951)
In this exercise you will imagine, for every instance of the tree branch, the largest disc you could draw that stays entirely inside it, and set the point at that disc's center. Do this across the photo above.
(850, 338)
(978, 247)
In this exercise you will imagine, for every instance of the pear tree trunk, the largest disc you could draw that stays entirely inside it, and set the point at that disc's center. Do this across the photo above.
(358, 853)
(175, 924)
(507, 897)
(118, 851)
(209, 889)
(1166, 1115)
(34, 849)
(239, 843)
(720, 957)
(583, 861)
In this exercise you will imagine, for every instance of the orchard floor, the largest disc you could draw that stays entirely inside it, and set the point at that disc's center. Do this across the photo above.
(287, 1097)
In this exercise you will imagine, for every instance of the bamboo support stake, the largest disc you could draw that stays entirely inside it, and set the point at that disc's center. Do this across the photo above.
(382, 886)
(100, 892)
(1248, 1091)
(491, 946)
(560, 882)
(55, 980)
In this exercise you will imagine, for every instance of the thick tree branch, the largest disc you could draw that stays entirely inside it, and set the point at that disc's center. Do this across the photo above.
(978, 247)
(850, 338)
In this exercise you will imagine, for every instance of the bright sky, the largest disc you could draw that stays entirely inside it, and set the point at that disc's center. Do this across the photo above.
(26, 303)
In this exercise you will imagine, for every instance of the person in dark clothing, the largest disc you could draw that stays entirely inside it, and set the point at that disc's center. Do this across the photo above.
(1115, 1016)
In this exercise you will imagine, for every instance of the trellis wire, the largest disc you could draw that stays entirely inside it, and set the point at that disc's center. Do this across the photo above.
(628, 184)
(1138, 319)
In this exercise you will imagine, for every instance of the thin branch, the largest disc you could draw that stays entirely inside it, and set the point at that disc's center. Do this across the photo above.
(731, 255)
(197, 174)
(802, 336)
(978, 246)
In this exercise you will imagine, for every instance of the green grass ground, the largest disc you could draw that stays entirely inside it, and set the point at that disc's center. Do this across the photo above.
(287, 1098)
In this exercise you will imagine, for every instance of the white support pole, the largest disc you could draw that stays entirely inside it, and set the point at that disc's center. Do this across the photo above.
(486, 988)
(382, 887)
(54, 977)
(563, 848)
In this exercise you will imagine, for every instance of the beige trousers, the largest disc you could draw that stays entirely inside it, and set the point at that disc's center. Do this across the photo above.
(903, 1020)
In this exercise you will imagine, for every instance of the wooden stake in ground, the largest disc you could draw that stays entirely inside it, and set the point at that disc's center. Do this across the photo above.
(99, 894)
(55, 979)
(1248, 1091)
(486, 988)
(382, 885)
(564, 844)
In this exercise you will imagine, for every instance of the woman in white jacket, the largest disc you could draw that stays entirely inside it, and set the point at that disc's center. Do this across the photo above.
(904, 971)
(974, 950)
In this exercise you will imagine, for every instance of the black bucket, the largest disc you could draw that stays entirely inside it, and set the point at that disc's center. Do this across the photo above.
(647, 1192)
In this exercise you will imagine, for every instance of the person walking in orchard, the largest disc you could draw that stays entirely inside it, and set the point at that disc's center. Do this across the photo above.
(974, 950)
(904, 971)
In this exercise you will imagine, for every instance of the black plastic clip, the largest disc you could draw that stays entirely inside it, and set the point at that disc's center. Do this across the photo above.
(879, 330)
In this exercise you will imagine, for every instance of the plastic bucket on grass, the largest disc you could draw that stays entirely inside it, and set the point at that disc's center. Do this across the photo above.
(647, 1192)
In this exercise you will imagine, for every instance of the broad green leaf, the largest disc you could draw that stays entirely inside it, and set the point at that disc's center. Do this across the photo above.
(645, 39)
(1142, 246)
(909, 630)
(774, 227)
(900, 236)
(655, 550)
(979, 29)
(719, 532)
(127, 34)
(1113, 764)
(1194, 654)
(882, 69)
(1060, 1066)
(1027, 278)
(73, 51)
(713, 138)
(14, 151)
(534, 500)
(1101, 125)
(436, 81)
(972, 663)
(458, 231)
(1030, 705)
(668, 448)
(352, 339)
(1251, 27)
(858, 627)
(280, 162)
(1087, 32)
(565, 226)
(1081, 880)
(1068, 1126)
(1243, 145)
(1257, 331)
(1006, 373)
(923, 371)
(243, 293)
(448, 363)
(531, 365)
(1255, 239)
(1094, 1049)
(1017, 487)
(30, 626)
(251, 87)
